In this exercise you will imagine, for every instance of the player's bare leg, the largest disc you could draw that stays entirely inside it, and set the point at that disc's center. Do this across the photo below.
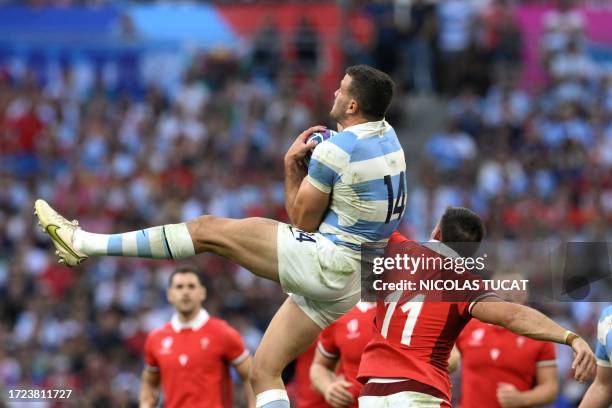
(289, 334)
(250, 242)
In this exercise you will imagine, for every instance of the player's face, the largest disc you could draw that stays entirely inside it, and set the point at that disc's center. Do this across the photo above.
(436, 233)
(186, 293)
(342, 100)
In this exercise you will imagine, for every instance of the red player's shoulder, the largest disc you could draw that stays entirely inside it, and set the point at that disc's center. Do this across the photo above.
(217, 323)
(219, 326)
(397, 237)
(164, 330)
(361, 310)
(474, 324)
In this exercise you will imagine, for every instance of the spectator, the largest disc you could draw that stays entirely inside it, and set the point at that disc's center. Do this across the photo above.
(456, 19)
(306, 45)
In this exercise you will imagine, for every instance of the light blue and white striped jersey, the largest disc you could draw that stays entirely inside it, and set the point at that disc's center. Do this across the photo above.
(363, 167)
(603, 348)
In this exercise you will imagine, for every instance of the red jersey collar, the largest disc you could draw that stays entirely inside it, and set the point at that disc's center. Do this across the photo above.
(365, 306)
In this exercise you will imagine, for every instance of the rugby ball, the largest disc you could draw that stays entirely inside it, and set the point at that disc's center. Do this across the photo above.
(319, 137)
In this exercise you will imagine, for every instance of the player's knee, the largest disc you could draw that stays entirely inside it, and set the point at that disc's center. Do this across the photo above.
(206, 230)
(262, 371)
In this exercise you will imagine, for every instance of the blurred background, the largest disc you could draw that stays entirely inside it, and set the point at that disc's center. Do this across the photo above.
(134, 113)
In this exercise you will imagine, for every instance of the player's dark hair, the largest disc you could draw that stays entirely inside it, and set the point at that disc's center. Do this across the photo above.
(462, 229)
(188, 269)
(373, 90)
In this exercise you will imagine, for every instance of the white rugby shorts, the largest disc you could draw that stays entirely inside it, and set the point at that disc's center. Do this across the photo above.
(322, 278)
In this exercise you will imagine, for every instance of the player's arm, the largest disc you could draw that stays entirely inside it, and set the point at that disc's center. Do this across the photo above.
(334, 389)
(525, 321)
(454, 359)
(243, 371)
(149, 388)
(544, 392)
(599, 394)
(305, 204)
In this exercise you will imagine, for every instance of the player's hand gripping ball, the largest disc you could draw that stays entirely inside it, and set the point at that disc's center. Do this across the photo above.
(319, 137)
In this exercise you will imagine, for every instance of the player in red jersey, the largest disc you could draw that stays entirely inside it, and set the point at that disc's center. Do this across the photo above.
(342, 343)
(501, 369)
(192, 353)
(406, 363)
(305, 396)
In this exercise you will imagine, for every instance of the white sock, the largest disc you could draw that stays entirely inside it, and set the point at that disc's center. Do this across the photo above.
(277, 398)
(171, 241)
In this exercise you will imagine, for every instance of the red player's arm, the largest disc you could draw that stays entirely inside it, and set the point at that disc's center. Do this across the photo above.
(243, 371)
(545, 390)
(149, 388)
(334, 389)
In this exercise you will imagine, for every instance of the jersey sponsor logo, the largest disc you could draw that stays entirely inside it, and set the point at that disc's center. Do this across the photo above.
(166, 344)
(183, 358)
(353, 329)
(204, 342)
(477, 337)
(494, 353)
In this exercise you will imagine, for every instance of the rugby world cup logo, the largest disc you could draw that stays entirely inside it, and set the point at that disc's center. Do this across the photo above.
(477, 336)
(352, 327)
(166, 343)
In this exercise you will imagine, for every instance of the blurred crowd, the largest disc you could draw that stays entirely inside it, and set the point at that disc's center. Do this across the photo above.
(534, 163)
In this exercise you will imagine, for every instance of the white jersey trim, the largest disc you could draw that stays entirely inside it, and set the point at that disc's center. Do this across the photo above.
(325, 352)
(194, 324)
(241, 358)
(380, 380)
(546, 363)
(321, 187)
(604, 363)
(367, 129)
(478, 299)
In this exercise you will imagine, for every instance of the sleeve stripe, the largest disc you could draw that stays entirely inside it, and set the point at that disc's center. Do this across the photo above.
(479, 298)
(322, 173)
(240, 359)
(603, 363)
(151, 368)
(318, 185)
(546, 363)
(325, 352)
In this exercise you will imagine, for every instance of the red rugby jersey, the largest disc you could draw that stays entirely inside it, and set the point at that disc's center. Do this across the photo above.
(491, 355)
(345, 340)
(305, 394)
(193, 360)
(414, 336)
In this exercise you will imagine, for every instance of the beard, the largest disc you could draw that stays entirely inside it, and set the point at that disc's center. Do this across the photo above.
(338, 112)
(186, 307)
